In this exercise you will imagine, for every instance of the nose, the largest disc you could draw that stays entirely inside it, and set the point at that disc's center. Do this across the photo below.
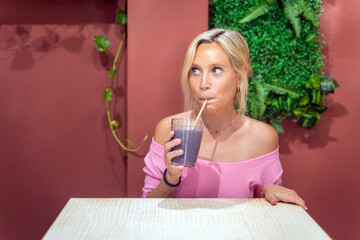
(205, 82)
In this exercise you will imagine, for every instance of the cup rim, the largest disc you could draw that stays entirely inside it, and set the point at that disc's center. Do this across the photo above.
(199, 124)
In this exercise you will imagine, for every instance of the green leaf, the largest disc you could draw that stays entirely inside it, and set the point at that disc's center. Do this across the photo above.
(310, 119)
(121, 17)
(280, 101)
(258, 10)
(115, 123)
(277, 126)
(129, 142)
(277, 86)
(315, 82)
(308, 13)
(111, 73)
(310, 37)
(288, 103)
(257, 105)
(328, 84)
(146, 137)
(318, 117)
(307, 122)
(101, 43)
(319, 108)
(298, 111)
(315, 115)
(292, 13)
(275, 103)
(316, 96)
(108, 94)
(212, 3)
(304, 100)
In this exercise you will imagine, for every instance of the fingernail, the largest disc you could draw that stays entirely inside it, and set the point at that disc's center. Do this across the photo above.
(181, 167)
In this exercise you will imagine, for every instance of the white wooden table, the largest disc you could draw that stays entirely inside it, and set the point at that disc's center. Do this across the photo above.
(135, 218)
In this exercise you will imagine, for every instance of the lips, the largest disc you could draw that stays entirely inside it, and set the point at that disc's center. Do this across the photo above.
(205, 98)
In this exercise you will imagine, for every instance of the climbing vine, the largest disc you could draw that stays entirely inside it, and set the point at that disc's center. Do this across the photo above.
(102, 44)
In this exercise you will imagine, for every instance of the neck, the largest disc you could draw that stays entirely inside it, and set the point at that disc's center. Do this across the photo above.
(219, 121)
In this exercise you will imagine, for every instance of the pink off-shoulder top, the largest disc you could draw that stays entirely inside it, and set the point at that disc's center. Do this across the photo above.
(208, 179)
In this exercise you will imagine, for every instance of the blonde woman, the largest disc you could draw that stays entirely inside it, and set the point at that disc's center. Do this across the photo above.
(239, 156)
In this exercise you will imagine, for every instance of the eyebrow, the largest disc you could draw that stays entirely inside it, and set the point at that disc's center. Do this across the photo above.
(212, 65)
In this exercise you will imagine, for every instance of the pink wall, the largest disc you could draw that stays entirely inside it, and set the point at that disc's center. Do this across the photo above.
(323, 164)
(55, 143)
(159, 34)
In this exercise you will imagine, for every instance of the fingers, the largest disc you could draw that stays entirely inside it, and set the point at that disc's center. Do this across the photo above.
(274, 201)
(174, 172)
(170, 144)
(294, 198)
(276, 193)
(170, 155)
(271, 198)
(169, 136)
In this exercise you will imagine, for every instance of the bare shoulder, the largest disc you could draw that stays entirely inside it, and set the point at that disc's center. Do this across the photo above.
(164, 127)
(264, 135)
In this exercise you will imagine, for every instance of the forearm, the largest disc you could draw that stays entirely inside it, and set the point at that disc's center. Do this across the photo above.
(162, 191)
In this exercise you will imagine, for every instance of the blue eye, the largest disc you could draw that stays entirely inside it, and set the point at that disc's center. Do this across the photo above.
(195, 71)
(217, 70)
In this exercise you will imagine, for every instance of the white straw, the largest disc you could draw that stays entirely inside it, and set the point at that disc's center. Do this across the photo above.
(199, 114)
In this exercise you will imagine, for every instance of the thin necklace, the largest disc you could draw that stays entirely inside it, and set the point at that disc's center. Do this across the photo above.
(222, 130)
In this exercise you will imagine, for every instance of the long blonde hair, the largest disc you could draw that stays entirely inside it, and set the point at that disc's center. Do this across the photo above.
(235, 45)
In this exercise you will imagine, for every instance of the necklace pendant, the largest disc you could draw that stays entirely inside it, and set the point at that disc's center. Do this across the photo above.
(222, 130)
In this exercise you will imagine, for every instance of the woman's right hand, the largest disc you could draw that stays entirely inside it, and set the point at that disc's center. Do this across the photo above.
(173, 172)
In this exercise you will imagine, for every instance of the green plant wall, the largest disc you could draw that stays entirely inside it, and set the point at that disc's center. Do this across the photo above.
(285, 51)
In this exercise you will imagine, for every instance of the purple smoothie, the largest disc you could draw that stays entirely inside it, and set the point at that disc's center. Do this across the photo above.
(190, 143)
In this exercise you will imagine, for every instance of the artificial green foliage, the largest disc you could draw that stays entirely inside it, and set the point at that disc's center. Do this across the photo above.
(258, 10)
(292, 9)
(285, 52)
(260, 93)
(312, 104)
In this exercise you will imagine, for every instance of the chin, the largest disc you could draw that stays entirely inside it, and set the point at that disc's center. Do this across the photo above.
(209, 110)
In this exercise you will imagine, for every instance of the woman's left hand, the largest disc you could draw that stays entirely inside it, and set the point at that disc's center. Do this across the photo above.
(276, 193)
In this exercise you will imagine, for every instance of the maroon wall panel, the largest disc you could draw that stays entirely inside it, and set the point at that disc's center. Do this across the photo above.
(55, 143)
(57, 11)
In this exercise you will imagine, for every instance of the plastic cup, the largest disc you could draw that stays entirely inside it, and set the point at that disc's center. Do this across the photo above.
(190, 136)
